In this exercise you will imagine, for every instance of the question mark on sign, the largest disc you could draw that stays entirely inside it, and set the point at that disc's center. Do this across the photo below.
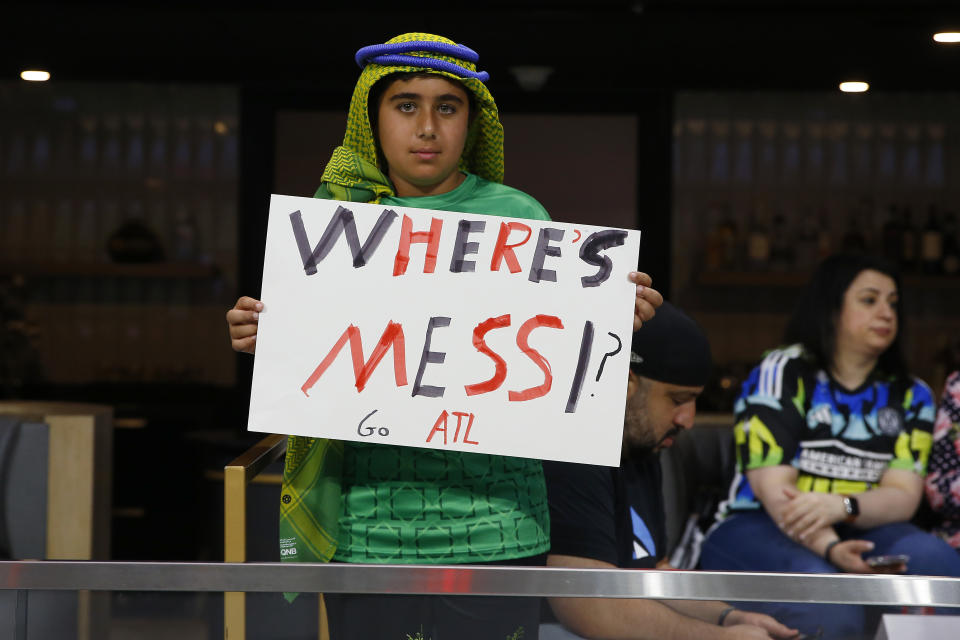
(608, 354)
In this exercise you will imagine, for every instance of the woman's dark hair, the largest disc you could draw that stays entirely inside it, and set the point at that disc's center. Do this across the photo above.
(814, 321)
(376, 95)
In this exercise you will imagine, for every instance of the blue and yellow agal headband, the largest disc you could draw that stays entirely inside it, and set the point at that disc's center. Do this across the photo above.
(394, 54)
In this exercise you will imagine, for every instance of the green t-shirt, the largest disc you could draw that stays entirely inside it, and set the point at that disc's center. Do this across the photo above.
(422, 506)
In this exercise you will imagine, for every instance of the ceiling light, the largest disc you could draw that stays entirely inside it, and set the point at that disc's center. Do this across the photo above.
(947, 36)
(854, 87)
(35, 75)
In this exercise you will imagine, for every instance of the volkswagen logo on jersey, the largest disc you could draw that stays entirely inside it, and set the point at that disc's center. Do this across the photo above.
(889, 421)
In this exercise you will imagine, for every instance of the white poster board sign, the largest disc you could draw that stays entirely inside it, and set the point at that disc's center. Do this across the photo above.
(445, 330)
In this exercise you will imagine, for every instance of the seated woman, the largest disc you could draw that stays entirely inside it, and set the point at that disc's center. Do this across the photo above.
(832, 439)
(943, 480)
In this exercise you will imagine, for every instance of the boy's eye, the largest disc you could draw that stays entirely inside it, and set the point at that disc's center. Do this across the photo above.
(406, 107)
(446, 108)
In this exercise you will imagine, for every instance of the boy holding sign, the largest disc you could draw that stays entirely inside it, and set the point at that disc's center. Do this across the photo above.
(422, 131)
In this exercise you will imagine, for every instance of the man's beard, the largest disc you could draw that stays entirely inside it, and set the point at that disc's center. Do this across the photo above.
(639, 436)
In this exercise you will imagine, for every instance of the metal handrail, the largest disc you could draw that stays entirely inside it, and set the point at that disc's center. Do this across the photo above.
(472, 580)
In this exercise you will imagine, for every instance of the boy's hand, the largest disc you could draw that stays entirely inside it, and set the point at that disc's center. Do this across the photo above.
(648, 299)
(242, 321)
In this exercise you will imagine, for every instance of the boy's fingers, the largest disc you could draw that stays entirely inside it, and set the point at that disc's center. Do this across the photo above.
(644, 309)
(638, 277)
(239, 316)
(243, 330)
(652, 296)
(249, 304)
(245, 345)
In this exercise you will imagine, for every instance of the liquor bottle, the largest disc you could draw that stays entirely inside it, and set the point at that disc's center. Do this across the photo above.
(815, 155)
(203, 135)
(65, 151)
(864, 166)
(758, 243)
(887, 153)
(838, 160)
(182, 148)
(729, 238)
(185, 237)
(807, 242)
(63, 236)
(13, 242)
(88, 146)
(40, 153)
(713, 249)
(720, 153)
(951, 245)
(228, 148)
(767, 156)
(16, 154)
(790, 168)
(853, 239)
(824, 236)
(934, 155)
(931, 244)
(781, 249)
(911, 154)
(112, 157)
(892, 236)
(743, 153)
(910, 252)
(134, 161)
(157, 154)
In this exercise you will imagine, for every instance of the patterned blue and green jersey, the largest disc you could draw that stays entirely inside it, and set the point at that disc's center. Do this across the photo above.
(791, 412)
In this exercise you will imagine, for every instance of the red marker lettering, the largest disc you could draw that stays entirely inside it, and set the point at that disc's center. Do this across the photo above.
(408, 236)
(466, 435)
(500, 372)
(525, 329)
(437, 427)
(502, 250)
(392, 336)
(440, 426)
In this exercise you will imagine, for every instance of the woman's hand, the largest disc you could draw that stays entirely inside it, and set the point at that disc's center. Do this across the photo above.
(242, 321)
(848, 556)
(809, 511)
(647, 301)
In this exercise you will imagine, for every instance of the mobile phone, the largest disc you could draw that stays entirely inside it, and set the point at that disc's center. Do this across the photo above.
(887, 561)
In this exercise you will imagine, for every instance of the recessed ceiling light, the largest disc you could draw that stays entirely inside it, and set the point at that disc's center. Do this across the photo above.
(854, 87)
(35, 75)
(947, 36)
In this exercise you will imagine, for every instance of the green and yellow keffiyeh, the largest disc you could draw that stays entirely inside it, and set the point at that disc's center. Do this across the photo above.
(352, 173)
(310, 493)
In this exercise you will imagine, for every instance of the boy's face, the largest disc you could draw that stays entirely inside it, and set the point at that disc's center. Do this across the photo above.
(422, 128)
